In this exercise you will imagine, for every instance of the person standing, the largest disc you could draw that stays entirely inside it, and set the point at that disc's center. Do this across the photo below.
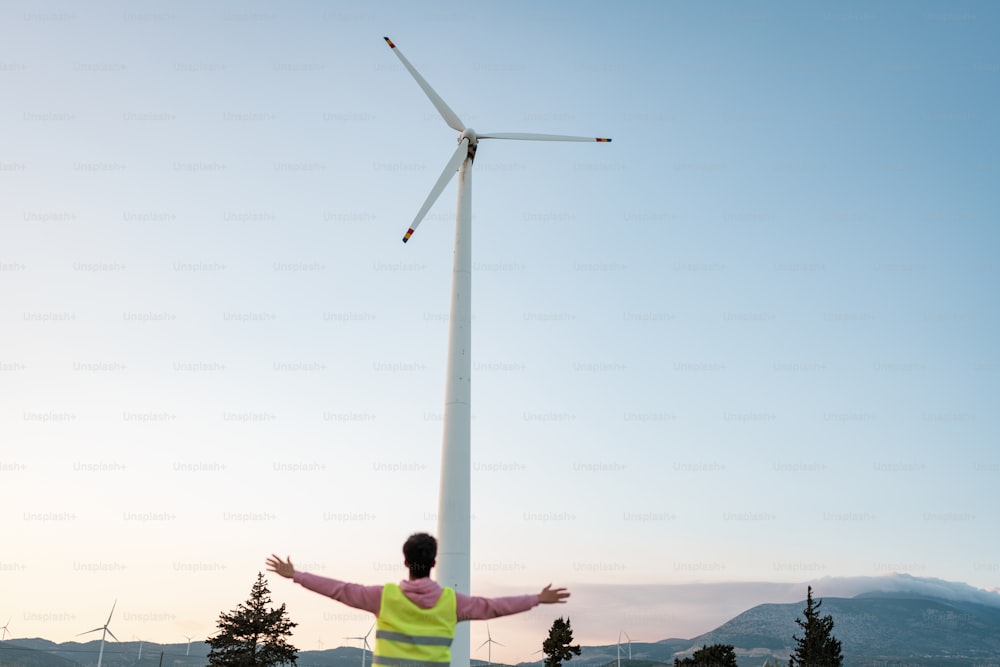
(415, 619)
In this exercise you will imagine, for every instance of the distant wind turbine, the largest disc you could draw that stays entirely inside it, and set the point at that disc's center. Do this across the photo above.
(454, 511)
(620, 647)
(188, 652)
(521, 659)
(4, 628)
(489, 645)
(365, 646)
(106, 631)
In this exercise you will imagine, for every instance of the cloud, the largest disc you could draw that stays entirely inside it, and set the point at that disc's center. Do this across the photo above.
(909, 585)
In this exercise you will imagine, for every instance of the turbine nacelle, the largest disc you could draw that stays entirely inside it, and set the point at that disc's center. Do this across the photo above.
(470, 134)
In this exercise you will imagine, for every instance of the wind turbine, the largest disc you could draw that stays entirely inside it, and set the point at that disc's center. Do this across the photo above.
(521, 659)
(620, 647)
(365, 645)
(454, 512)
(141, 642)
(4, 628)
(106, 631)
(489, 644)
(188, 652)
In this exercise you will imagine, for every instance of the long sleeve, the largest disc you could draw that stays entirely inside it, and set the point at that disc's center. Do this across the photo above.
(469, 608)
(368, 598)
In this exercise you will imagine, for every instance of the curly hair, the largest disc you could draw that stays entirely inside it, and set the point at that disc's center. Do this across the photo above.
(420, 551)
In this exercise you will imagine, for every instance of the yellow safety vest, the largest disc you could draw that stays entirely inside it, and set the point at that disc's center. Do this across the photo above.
(408, 636)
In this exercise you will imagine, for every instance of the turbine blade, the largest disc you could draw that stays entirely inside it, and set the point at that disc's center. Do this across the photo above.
(449, 170)
(113, 636)
(112, 611)
(538, 137)
(89, 631)
(483, 644)
(449, 116)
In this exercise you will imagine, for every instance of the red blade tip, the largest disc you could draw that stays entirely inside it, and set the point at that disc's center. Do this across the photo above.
(603, 139)
(389, 42)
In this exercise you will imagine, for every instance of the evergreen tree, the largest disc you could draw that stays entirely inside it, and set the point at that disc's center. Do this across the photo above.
(253, 635)
(716, 655)
(817, 647)
(557, 647)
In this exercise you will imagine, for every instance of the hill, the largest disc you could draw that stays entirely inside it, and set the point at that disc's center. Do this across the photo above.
(875, 629)
(38, 652)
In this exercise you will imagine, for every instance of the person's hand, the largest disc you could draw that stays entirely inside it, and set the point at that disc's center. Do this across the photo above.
(282, 567)
(551, 595)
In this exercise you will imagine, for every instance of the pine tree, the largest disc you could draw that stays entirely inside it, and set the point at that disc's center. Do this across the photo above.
(817, 647)
(253, 635)
(557, 647)
(716, 655)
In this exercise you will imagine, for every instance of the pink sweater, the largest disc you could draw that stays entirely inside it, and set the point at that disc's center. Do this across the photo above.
(423, 592)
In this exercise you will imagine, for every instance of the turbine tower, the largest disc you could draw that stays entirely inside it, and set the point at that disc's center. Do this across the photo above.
(454, 511)
(620, 647)
(106, 632)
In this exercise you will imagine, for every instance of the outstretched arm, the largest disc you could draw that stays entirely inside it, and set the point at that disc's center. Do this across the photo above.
(282, 567)
(479, 608)
(368, 598)
(551, 595)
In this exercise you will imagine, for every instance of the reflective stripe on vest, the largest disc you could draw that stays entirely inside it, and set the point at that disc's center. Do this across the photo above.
(408, 636)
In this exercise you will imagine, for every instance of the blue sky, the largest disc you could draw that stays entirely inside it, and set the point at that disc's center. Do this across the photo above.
(749, 340)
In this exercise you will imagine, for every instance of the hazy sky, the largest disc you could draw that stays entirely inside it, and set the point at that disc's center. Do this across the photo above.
(749, 340)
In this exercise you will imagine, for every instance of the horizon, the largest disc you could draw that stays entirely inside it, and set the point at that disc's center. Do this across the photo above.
(751, 339)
